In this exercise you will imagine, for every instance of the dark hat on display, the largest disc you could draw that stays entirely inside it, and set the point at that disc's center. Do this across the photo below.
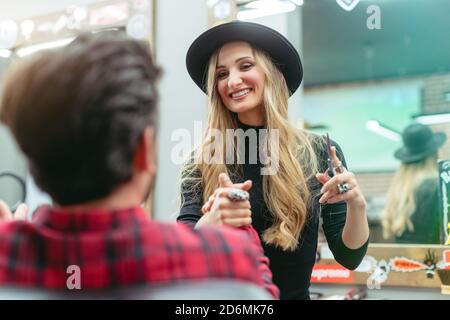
(418, 143)
(281, 51)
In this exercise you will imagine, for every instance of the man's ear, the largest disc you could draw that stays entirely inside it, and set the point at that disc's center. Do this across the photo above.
(145, 152)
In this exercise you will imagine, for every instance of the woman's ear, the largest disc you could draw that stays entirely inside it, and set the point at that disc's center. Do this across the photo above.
(145, 152)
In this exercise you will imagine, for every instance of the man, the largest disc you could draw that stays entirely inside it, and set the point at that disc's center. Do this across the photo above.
(85, 116)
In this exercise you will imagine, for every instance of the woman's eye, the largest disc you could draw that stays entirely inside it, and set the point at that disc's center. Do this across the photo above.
(222, 74)
(246, 66)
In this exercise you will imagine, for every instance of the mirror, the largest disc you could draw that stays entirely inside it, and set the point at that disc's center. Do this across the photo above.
(27, 28)
(11, 161)
(370, 69)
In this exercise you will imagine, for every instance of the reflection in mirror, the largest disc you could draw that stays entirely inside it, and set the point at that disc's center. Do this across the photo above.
(27, 29)
(412, 212)
(11, 161)
(365, 81)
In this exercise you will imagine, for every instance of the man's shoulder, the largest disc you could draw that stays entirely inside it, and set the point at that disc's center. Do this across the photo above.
(18, 232)
(16, 226)
(212, 236)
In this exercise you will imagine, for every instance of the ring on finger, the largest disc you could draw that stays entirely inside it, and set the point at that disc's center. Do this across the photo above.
(343, 187)
(238, 195)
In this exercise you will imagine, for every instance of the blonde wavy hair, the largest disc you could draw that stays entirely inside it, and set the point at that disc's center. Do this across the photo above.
(286, 193)
(401, 202)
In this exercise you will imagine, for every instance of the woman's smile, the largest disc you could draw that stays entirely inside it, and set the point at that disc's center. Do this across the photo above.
(240, 95)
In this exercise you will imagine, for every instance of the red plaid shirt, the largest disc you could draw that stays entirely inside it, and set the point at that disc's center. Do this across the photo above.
(124, 247)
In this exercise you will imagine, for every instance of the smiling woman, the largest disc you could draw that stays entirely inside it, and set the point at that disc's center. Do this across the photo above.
(251, 70)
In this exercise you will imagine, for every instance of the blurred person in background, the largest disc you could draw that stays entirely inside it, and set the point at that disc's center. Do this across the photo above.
(411, 214)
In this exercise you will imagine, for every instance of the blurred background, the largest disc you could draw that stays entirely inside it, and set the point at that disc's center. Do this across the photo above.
(371, 67)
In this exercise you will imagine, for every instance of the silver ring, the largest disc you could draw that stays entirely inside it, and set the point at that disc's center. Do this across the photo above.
(238, 195)
(343, 188)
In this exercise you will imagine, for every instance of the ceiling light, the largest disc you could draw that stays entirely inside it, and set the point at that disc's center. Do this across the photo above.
(433, 118)
(43, 46)
(382, 130)
(264, 8)
(297, 2)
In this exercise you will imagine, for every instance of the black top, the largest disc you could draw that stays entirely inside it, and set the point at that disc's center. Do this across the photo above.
(291, 269)
(426, 219)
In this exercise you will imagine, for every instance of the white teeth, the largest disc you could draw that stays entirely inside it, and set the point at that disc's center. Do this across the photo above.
(240, 93)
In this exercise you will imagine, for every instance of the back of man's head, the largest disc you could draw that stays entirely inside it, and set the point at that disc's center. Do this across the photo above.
(78, 113)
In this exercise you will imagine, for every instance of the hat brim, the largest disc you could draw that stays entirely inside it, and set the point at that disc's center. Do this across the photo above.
(282, 52)
(406, 155)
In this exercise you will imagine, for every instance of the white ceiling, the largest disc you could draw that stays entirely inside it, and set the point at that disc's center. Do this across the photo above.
(19, 9)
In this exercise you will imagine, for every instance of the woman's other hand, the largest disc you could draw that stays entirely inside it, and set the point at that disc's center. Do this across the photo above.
(342, 187)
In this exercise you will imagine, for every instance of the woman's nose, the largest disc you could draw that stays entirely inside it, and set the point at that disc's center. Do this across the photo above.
(234, 80)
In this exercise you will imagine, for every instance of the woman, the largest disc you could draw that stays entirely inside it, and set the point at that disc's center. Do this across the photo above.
(411, 214)
(249, 71)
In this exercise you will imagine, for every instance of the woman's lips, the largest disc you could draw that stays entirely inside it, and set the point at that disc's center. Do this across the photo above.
(241, 94)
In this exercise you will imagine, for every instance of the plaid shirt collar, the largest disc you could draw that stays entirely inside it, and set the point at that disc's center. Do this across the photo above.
(78, 221)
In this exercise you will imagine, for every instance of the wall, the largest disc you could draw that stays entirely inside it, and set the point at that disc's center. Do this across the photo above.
(178, 23)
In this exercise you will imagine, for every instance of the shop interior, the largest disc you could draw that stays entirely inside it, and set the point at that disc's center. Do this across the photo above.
(369, 71)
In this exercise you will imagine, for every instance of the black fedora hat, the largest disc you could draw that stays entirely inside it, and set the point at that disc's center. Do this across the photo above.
(282, 52)
(418, 143)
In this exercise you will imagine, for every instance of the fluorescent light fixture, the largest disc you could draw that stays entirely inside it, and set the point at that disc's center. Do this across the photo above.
(60, 24)
(5, 53)
(264, 8)
(297, 2)
(43, 46)
(382, 130)
(106, 29)
(260, 4)
(433, 118)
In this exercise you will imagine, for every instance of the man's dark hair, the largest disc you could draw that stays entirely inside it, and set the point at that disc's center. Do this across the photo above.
(78, 113)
